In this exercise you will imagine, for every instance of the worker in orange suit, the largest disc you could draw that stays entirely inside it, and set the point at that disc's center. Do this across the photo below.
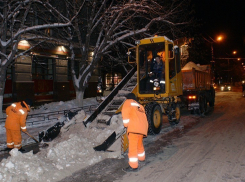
(16, 115)
(135, 120)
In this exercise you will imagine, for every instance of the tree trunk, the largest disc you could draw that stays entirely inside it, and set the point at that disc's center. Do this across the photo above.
(79, 98)
(2, 88)
(1, 107)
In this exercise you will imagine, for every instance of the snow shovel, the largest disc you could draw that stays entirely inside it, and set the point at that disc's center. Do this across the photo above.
(43, 145)
(109, 141)
(31, 136)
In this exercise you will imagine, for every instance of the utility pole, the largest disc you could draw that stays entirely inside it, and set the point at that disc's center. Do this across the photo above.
(212, 63)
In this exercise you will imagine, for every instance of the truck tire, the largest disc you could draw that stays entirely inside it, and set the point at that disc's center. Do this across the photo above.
(154, 117)
(212, 97)
(202, 105)
(174, 114)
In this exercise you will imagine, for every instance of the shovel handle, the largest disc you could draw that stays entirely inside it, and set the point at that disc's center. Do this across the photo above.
(30, 136)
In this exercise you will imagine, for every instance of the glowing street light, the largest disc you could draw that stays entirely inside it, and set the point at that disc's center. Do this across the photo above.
(219, 38)
(234, 52)
(238, 59)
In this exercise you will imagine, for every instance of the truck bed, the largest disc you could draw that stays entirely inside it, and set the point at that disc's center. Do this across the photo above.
(196, 80)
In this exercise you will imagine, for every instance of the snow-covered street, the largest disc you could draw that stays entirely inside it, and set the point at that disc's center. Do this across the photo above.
(198, 149)
(214, 150)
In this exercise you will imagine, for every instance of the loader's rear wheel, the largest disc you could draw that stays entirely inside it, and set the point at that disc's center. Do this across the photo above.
(154, 117)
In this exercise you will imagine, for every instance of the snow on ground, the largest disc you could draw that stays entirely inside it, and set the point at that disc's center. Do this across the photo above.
(212, 151)
(70, 151)
(61, 105)
(34, 126)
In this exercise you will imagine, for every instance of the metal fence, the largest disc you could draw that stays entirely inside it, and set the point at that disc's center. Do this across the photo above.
(36, 119)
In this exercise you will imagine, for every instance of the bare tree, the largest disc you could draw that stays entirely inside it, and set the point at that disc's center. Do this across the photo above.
(103, 25)
(28, 20)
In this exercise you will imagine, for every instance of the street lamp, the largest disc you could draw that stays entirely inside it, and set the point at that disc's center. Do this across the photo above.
(234, 52)
(219, 38)
(212, 62)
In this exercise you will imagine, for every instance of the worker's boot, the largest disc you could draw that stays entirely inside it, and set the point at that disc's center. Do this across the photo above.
(130, 169)
(8, 149)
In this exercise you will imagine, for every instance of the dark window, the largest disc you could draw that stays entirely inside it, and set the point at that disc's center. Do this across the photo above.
(42, 68)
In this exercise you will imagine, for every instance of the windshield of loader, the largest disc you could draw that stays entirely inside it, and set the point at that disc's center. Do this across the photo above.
(152, 67)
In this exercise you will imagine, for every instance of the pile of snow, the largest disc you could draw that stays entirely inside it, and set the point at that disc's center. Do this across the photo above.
(61, 105)
(70, 151)
(42, 110)
(190, 65)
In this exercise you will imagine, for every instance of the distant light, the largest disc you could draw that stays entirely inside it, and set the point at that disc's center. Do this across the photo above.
(234, 52)
(238, 59)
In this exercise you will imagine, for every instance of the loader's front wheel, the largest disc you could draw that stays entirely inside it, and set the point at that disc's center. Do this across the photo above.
(174, 114)
(154, 117)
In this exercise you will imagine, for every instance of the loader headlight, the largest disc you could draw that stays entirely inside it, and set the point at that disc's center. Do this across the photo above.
(229, 88)
(156, 88)
(222, 88)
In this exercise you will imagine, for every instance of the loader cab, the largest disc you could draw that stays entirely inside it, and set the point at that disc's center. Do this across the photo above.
(152, 68)
(158, 67)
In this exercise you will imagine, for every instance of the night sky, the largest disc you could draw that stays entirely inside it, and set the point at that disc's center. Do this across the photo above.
(223, 17)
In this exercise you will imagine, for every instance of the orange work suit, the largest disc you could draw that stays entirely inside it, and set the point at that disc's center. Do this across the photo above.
(15, 122)
(135, 120)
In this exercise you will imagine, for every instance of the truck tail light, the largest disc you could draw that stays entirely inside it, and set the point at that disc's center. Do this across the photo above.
(191, 97)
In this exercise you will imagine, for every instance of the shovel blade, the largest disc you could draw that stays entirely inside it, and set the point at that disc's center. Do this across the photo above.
(107, 143)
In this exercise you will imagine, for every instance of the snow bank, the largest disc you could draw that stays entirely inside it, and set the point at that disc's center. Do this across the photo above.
(69, 152)
(61, 105)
